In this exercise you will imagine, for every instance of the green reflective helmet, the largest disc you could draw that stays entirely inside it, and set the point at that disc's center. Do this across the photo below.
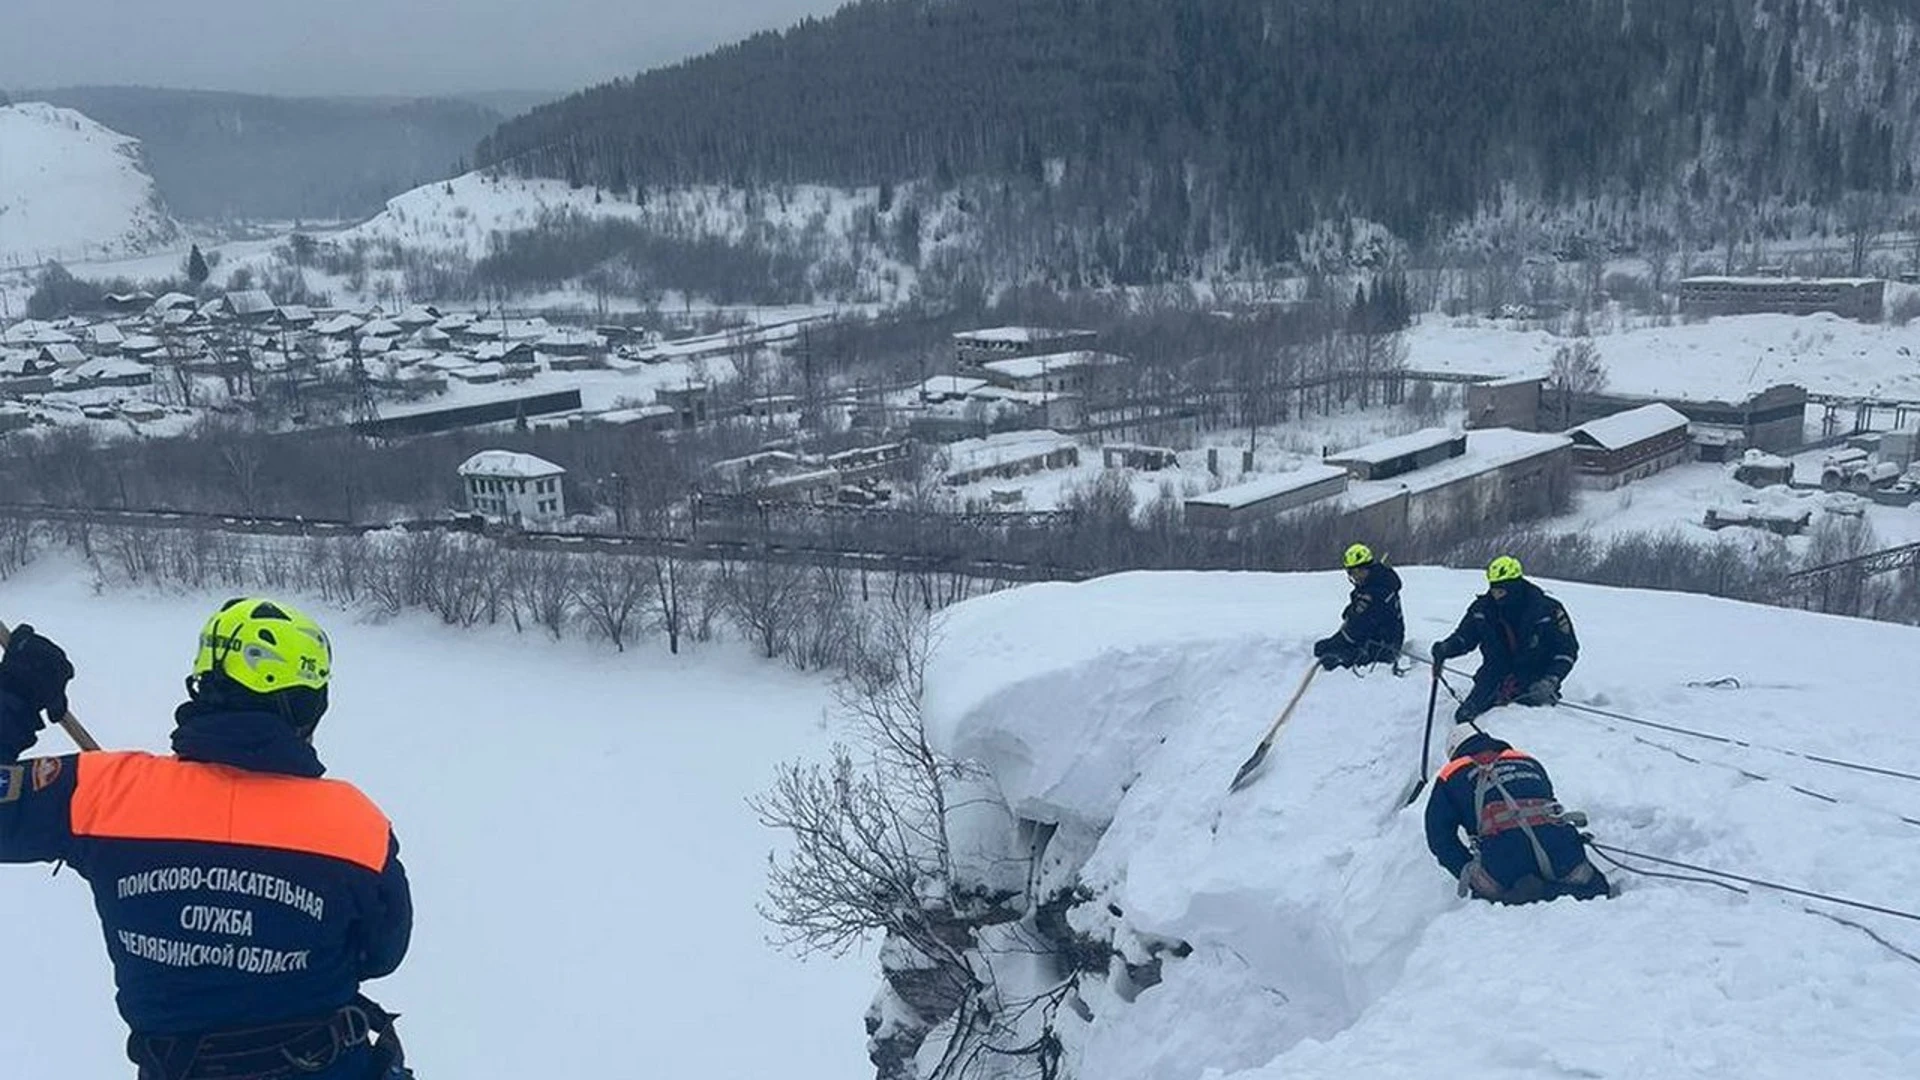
(1503, 569)
(1358, 555)
(264, 646)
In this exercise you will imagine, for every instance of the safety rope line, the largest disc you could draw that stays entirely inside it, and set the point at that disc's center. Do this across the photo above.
(1691, 760)
(1642, 871)
(1760, 883)
(1728, 740)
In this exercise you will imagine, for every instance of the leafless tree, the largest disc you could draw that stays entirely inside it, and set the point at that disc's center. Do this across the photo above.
(763, 598)
(676, 582)
(610, 591)
(1864, 214)
(871, 853)
(1574, 371)
(543, 589)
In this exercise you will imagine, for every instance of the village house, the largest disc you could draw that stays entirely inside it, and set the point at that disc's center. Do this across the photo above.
(1629, 445)
(1233, 508)
(1008, 454)
(517, 488)
(975, 347)
(1854, 298)
(251, 306)
(108, 371)
(1054, 372)
(1393, 457)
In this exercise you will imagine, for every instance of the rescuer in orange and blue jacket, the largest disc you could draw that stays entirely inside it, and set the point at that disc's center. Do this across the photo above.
(244, 899)
(1525, 846)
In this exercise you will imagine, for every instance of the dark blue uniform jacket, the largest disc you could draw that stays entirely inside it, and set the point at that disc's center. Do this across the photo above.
(1526, 635)
(1505, 854)
(1372, 615)
(236, 888)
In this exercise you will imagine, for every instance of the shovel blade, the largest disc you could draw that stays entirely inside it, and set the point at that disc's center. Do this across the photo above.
(1411, 792)
(1246, 770)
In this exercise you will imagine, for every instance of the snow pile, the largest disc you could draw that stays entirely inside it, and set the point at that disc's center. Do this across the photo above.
(71, 190)
(1324, 939)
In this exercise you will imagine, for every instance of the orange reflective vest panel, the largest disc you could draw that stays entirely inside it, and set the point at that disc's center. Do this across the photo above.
(138, 796)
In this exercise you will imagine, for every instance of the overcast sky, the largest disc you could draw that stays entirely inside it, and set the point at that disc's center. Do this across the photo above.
(366, 46)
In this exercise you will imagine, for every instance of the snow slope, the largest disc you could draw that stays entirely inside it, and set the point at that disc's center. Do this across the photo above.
(1727, 357)
(584, 866)
(72, 190)
(1326, 941)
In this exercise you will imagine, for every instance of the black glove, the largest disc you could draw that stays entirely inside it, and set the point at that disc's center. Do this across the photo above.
(1543, 691)
(36, 671)
(1441, 652)
(1329, 661)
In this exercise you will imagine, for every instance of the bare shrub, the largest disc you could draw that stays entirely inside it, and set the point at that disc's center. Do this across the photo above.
(610, 592)
(763, 600)
(871, 853)
(542, 589)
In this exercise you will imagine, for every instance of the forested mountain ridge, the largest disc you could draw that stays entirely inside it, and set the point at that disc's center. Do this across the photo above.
(221, 156)
(1145, 136)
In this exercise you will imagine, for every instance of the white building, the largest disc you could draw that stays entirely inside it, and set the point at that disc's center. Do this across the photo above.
(518, 488)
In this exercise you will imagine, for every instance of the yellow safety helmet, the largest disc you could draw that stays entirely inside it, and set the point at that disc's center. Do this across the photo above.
(264, 646)
(1358, 555)
(1503, 569)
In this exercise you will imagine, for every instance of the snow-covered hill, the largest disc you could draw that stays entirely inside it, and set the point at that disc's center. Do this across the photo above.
(1324, 939)
(72, 190)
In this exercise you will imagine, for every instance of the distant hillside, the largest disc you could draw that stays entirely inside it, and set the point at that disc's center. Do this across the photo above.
(219, 156)
(1133, 139)
(71, 190)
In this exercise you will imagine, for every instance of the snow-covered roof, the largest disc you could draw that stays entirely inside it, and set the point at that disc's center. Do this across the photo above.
(950, 386)
(488, 372)
(107, 334)
(1719, 279)
(250, 302)
(1389, 449)
(568, 337)
(1488, 448)
(632, 415)
(296, 313)
(64, 355)
(110, 367)
(382, 328)
(1267, 487)
(1003, 447)
(171, 301)
(527, 329)
(1016, 335)
(1623, 429)
(339, 324)
(500, 350)
(1033, 367)
(509, 464)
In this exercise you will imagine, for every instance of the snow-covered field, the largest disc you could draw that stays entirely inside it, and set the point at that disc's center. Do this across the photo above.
(1326, 941)
(585, 869)
(72, 190)
(1728, 357)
